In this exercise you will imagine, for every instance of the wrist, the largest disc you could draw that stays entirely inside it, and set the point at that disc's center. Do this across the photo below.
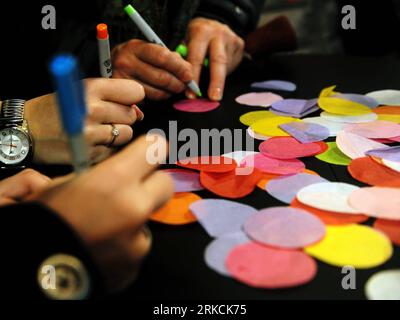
(45, 128)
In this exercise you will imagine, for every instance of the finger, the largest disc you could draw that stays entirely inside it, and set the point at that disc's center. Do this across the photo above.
(157, 78)
(140, 244)
(102, 135)
(100, 153)
(140, 158)
(197, 51)
(122, 91)
(159, 188)
(6, 202)
(155, 94)
(218, 68)
(164, 59)
(111, 112)
(23, 184)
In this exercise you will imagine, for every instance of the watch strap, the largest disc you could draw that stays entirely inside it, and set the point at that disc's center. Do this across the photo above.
(12, 112)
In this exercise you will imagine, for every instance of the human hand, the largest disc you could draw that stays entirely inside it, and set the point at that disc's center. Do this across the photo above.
(108, 206)
(21, 186)
(160, 71)
(109, 101)
(224, 47)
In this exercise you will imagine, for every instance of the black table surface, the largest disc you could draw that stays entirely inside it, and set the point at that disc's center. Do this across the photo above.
(175, 268)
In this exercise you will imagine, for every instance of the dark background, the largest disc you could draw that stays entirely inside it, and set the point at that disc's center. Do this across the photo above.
(175, 268)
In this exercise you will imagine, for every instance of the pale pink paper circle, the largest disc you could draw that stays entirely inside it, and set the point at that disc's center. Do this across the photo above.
(377, 202)
(355, 146)
(374, 130)
(285, 227)
(258, 99)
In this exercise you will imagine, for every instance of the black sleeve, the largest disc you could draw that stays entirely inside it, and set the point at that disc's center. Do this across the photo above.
(31, 233)
(241, 15)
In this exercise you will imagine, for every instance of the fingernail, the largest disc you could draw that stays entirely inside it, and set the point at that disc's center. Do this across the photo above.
(139, 113)
(190, 95)
(216, 94)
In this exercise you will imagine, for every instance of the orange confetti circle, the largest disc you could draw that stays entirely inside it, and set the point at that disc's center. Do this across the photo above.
(331, 218)
(371, 172)
(267, 177)
(231, 185)
(176, 211)
(209, 164)
(387, 110)
(390, 228)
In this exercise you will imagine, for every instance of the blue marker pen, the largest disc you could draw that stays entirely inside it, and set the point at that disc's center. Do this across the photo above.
(70, 93)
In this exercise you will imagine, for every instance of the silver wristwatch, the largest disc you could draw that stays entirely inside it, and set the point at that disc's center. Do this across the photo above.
(16, 145)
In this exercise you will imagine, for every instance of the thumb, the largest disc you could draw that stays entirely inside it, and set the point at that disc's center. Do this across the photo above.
(20, 186)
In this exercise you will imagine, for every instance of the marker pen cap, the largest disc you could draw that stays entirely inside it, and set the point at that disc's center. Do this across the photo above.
(102, 31)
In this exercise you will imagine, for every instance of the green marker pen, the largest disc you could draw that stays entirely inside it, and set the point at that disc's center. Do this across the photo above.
(183, 51)
(152, 37)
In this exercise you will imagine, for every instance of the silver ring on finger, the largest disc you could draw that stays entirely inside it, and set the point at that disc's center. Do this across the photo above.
(115, 134)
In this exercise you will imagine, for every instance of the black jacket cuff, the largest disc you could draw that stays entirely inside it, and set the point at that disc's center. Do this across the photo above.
(31, 234)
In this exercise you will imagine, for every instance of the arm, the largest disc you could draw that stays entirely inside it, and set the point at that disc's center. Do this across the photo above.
(37, 234)
(241, 15)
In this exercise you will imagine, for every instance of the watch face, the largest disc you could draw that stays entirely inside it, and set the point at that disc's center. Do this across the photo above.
(14, 146)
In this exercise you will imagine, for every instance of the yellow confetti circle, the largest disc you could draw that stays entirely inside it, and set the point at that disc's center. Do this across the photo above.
(354, 245)
(389, 117)
(270, 126)
(343, 107)
(249, 118)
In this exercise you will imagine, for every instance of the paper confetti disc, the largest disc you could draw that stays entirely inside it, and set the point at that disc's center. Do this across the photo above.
(330, 196)
(284, 227)
(334, 156)
(196, 105)
(390, 228)
(374, 130)
(343, 107)
(384, 285)
(377, 202)
(231, 185)
(249, 118)
(329, 217)
(355, 146)
(219, 217)
(255, 99)
(372, 173)
(273, 166)
(285, 188)
(286, 148)
(270, 126)
(386, 97)
(262, 267)
(185, 180)
(275, 85)
(218, 250)
(354, 245)
(209, 164)
(176, 211)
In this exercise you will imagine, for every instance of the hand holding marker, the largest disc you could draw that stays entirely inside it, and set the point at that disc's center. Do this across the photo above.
(184, 52)
(70, 93)
(104, 51)
(152, 37)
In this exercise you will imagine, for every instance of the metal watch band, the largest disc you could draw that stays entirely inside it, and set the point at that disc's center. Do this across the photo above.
(12, 112)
